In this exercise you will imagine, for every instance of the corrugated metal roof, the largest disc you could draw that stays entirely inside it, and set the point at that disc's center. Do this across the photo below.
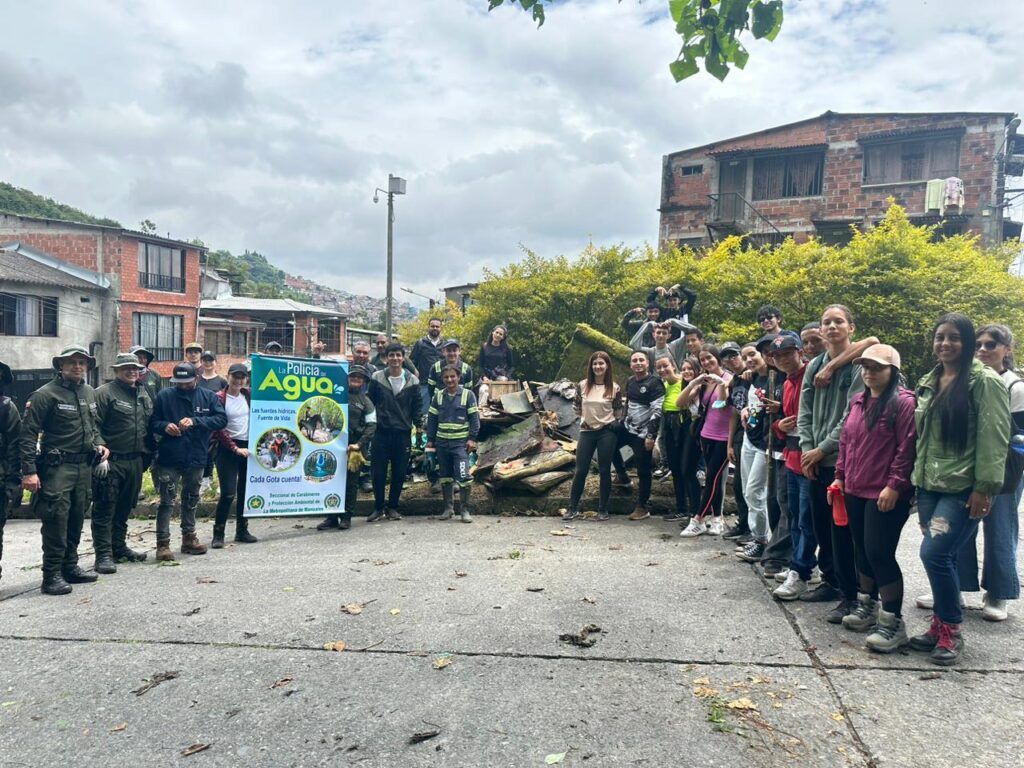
(153, 238)
(21, 264)
(762, 150)
(247, 304)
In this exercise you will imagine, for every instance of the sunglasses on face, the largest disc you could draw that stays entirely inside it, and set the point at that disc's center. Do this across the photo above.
(989, 345)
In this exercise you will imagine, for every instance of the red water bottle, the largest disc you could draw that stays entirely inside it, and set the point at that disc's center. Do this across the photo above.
(838, 501)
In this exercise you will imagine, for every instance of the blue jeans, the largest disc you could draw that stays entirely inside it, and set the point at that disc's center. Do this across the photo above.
(999, 571)
(801, 524)
(946, 524)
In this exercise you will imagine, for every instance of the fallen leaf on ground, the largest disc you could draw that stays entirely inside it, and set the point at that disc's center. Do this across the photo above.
(248, 635)
(419, 736)
(742, 704)
(838, 717)
(460, 574)
(155, 680)
(561, 532)
(192, 611)
(590, 600)
(535, 589)
(417, 653)
(395, 611)
(337, 645)
(353, 609)
(383, 562)
(206, 580)
(289, 589)
(451, 589)
(931, 676)
(169, 563)
(585, 638)
(195, 748)
(281, 682)
(615, 547)
(85, 600)
(702, 681)
(442, 661)
(119, 728)
(704, 692)
(554, 759)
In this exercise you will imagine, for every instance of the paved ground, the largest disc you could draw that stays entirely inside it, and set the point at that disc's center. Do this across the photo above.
(695, 664)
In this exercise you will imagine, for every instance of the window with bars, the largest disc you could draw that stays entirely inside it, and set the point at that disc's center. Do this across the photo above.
(780, 176)
(218, 341)
(917, 160)
(329, 332)
(22, 315)
(161, 268)
(160, 334)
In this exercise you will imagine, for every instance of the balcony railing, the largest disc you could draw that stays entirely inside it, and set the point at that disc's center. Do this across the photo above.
(163, 354)
(157, 282)
(732, 210)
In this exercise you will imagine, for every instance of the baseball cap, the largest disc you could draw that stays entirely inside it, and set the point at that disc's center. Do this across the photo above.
(207, 355)
(193, 345)
(784, 341)
(882, 354)
(358, 370)
(238, 369)
(764, 341)
(272, 345)
(729, 348)
(451, 343)
(183, 373)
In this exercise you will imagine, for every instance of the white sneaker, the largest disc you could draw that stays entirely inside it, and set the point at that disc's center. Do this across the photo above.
(695, 528)
(781, 576)
(791, 588)
(994, 610)
(927, 602)
(717, 527)
(815, 576)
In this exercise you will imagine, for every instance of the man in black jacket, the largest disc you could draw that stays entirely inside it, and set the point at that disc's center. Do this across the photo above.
(425, 353)
(395, 394)
(185, 417)
(645, 394)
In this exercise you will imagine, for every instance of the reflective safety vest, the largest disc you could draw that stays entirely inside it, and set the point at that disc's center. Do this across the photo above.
(457, 417)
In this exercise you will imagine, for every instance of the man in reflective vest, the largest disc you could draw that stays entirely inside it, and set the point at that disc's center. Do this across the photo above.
(453, 423)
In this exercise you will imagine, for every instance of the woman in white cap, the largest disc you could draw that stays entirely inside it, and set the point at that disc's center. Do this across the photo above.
(876, 458)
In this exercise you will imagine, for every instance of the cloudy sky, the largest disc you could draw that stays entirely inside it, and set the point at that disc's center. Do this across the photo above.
(266, 125)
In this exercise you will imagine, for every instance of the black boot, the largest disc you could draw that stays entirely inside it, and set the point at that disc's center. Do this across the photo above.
(124, 554)
(104, 563)
(344, 522)
(218, 537)
(329, 522)
(242, 534)
(54, 584)
(76, 575)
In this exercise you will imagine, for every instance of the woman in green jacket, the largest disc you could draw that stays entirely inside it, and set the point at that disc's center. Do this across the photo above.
(963, 430)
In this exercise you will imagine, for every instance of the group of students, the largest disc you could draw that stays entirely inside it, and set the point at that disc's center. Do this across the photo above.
(831, 447)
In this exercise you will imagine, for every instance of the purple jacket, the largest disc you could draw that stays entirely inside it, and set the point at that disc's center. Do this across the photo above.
(873, 459)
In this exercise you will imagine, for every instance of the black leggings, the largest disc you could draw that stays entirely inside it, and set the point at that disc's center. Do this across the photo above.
(231, 473)
(689, 462)
(716, 463)
(604, 442)
(876, 535)
(643, 462)
(672, 429)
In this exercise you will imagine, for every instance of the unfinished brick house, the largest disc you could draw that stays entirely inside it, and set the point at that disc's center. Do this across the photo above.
(819, 176)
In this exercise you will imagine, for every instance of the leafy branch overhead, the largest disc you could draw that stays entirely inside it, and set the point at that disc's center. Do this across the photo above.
(710, 30)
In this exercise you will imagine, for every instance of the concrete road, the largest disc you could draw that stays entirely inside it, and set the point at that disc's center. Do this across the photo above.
(457, 632)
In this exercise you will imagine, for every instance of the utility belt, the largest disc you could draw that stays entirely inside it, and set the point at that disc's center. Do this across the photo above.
(126, 456)
(55, 457)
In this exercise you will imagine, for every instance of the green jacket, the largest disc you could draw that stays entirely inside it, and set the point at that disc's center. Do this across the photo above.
(823, 409)
(153, 383)
(10, 432)
(983, 464)
(362, 420)
(65, 415)
(123, 413)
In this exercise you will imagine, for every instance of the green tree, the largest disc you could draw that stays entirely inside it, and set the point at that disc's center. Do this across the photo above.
(709, 30)
(897, 278)
(25, 203)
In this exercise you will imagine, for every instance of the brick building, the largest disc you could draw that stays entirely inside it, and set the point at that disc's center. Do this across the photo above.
(154, 280)
(821, 175)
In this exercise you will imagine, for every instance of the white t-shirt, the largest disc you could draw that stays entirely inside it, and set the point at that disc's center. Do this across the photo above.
(397, 382)
(1016, 392)
(237, 409)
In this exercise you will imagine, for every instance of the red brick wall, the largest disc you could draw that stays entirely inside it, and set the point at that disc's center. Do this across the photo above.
(685, 205)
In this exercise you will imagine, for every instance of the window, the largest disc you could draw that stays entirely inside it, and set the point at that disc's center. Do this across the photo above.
(161, 268)
(788, 176)
(329, 332)
(160, 334)
(240, 343)
(218, 342)
(692, 170)
(911, 161)
(28, 315)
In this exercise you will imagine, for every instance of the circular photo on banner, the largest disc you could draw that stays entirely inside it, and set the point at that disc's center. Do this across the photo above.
(320, 420)
(320, 466)
(278, 449)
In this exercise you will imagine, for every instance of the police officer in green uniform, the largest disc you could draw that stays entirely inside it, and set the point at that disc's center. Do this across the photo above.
(61, 417)
(362, 423)
(453, 423)
(148, 378)
(10, 463)
(123, 409)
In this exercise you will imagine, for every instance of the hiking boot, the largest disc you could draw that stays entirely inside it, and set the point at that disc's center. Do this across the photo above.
(76, 575)
(163, 550)
(890, 633)
(394, 514)
(449, 502)
(217, 542)
(104, 564)
(126, 555)
(344, 522)
(733, 532)
(242, 535)
(927, 601)
(570, 514)
(949, 646)
(927, 640)
(841, 610)
(823, 593)
(864, 615)
(717, 527)
(55, 585)
(374, 516)
(639, 513)
(994, 610)
(622, 481)
(328, 523)
(695, 528)
(792, 588)
(753, 552)
(190, 545)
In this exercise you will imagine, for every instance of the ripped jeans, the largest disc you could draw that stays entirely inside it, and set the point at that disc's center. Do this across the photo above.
(170, 480)
(946, 524)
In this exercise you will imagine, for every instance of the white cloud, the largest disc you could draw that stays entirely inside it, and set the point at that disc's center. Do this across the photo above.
(257, 126)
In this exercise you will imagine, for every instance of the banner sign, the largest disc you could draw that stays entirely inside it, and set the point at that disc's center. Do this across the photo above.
(298, 437)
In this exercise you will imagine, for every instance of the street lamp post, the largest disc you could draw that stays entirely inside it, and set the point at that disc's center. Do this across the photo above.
(433, 302)
(396, 186)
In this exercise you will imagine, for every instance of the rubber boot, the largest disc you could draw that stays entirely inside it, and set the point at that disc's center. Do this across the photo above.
(190, 545)
(54, 584)
(448, 489)
(217, 542)
(465, 492)
(242, 534)
(163, 550)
